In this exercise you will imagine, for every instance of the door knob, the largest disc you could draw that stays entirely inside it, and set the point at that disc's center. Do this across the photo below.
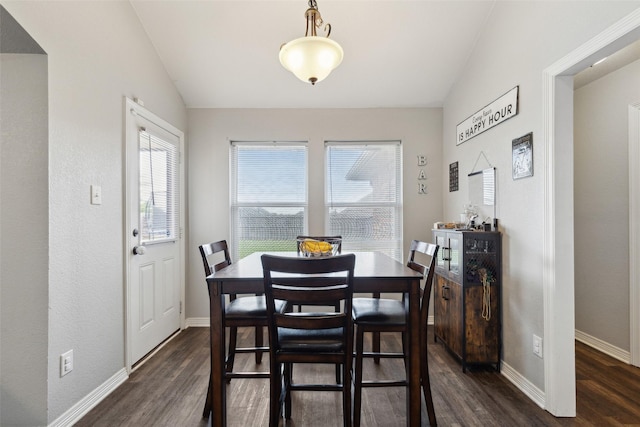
(139, 250)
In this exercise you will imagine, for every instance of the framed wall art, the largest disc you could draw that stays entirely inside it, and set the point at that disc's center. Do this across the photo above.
(522, 156)
(453, 177)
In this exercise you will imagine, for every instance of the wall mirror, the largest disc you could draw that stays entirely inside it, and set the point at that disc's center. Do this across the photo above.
(482, 194)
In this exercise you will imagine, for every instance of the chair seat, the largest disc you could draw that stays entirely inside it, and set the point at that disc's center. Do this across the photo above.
(379, 310)
(250, 307)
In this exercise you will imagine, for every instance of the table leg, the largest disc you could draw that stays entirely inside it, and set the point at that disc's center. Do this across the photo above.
(217, 391)
(413, 391)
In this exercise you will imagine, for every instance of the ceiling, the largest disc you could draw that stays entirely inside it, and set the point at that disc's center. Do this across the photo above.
(398, 53)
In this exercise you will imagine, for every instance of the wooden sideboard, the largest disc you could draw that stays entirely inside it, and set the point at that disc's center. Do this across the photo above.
(467, 295)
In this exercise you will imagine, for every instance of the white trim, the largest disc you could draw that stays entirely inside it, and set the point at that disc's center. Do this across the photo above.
(524, 385)
(197, 322)
(603, 347)
(80, 409)
(634, 233)
(557, 251)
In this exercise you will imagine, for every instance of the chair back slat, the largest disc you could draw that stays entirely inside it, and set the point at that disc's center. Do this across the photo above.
(310, 321)
(325, 295)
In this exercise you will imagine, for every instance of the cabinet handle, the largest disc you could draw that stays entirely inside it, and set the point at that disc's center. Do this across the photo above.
(445, 292)
(446, 257)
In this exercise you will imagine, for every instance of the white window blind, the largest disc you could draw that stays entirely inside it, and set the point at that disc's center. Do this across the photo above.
(158, 193)
(269, 199)
(363, 195)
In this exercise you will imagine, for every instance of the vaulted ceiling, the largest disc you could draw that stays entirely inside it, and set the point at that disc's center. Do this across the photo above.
(398, 53)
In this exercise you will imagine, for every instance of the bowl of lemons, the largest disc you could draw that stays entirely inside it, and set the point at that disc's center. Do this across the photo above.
(318, 248)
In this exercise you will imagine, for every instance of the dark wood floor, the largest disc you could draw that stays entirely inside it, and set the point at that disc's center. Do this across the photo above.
(169, 390)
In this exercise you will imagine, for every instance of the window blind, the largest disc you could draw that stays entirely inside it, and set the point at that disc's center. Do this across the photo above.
(269, 198)
(363, 195)
(159, 196)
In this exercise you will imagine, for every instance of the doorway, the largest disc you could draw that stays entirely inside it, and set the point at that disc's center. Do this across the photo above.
(558, 232)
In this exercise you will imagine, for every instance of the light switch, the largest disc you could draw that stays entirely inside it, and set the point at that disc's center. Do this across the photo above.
(96, 195)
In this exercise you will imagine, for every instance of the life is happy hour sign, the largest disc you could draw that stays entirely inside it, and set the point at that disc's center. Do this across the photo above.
(493, 114)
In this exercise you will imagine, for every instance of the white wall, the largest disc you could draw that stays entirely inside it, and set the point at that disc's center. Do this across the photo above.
(98, 53)
(520, 41)
(24, 224)
(210, 131)
(601, 197)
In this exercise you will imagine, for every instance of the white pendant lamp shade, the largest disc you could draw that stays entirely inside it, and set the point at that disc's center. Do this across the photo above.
(312, 58)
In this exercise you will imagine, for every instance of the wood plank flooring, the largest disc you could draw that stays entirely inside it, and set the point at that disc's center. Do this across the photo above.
(169, 390)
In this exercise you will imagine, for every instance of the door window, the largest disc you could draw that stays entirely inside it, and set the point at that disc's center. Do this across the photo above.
(159, 196)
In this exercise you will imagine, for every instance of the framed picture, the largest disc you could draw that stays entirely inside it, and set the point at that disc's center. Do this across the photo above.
(522, 152)
(453, 177)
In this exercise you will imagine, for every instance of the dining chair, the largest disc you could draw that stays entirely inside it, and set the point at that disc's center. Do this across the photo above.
(378, 315)
(241, 311)
(308, 337)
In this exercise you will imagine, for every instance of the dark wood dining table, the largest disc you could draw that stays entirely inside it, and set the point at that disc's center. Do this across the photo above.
(374, 272)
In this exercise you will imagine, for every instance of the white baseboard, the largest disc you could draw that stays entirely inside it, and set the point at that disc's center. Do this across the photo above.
(524, 385)
(604, 347)
(196, 322)
(80, 409)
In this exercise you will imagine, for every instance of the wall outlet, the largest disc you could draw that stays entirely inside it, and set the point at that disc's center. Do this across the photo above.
(537, 346)
(66, 363)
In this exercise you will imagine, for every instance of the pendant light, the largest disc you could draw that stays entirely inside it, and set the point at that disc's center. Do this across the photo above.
(311, 58)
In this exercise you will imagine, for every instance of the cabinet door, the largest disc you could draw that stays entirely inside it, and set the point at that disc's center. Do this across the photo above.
(455, 254)
(441, 308)
(441, 241)
(455, 318)
(482, 324)
(448, 314)
(449, 255)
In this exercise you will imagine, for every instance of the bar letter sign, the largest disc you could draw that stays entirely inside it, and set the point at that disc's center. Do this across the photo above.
(493, 114)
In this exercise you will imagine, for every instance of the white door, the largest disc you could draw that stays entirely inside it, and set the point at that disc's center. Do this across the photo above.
(153, 230)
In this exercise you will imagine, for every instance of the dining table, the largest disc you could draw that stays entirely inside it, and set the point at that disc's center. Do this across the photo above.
(374, 272)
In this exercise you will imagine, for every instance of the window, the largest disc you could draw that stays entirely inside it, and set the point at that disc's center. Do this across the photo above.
(269, 200)
(363, 195)
(159, 196)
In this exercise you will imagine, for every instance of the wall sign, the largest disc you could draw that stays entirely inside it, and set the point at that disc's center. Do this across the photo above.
(453, 177)
(493, 114)
(422, 175)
